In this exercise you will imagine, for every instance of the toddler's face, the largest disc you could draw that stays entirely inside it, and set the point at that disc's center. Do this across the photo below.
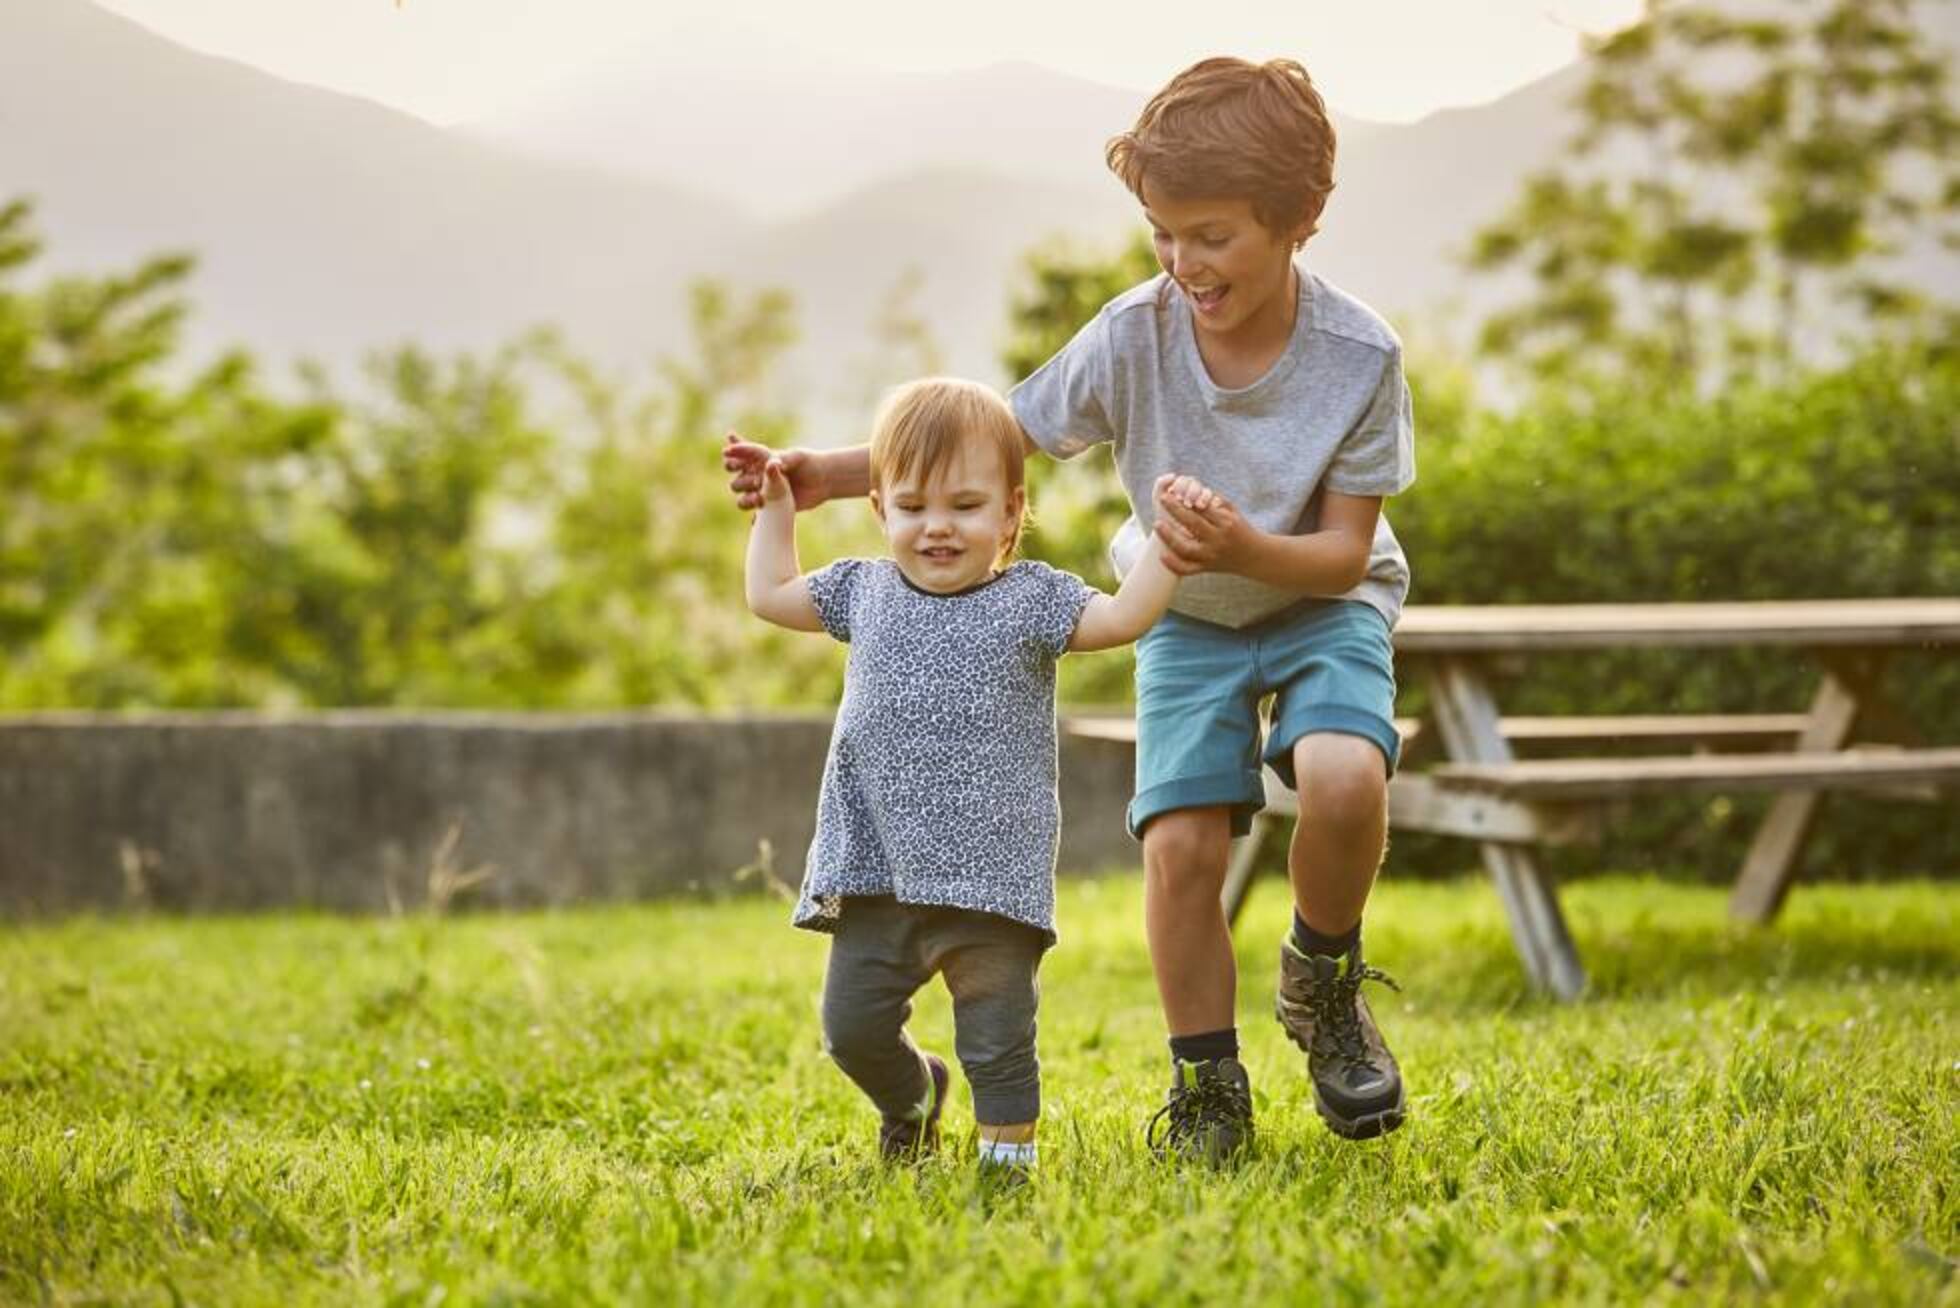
(945, 530)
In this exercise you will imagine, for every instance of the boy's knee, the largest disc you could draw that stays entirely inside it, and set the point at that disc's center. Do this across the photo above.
(1340, 779)
(1187, 845)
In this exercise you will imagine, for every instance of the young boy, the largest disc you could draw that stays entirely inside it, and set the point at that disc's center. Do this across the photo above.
(1286, 397)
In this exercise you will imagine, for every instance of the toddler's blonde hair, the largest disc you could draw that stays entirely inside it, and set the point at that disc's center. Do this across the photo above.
(922, 423)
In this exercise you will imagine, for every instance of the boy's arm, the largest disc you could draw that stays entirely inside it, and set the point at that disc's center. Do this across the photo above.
(814, 476)
(771, 580)
(1330, 560)
(1111, 620)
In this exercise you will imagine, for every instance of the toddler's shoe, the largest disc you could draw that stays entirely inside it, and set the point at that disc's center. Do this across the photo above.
(1207, 1116)
(902, 1139)
(1357, 1086)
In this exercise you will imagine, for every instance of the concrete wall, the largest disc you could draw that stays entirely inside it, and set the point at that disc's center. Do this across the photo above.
(353, 811)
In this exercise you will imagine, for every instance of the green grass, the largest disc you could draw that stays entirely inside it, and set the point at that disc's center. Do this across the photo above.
(631, 1105)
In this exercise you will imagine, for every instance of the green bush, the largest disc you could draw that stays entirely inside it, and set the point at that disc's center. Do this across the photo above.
(1834, 484)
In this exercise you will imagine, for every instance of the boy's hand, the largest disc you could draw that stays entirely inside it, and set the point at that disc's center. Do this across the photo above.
(1201, 529)
(745, 461)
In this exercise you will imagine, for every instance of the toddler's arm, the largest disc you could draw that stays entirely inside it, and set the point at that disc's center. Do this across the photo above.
(772, 581)
(1111, 620)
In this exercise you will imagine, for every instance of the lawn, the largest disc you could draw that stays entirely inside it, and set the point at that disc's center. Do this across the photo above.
(631, 1105)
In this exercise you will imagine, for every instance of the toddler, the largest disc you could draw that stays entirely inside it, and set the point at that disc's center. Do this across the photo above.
(934, 850)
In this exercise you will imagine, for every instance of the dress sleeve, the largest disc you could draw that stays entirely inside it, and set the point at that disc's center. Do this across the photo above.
(1064, 406)
(833, 589)
(1379, 456)
(1060, 598)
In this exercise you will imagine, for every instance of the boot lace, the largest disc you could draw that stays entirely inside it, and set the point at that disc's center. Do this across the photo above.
(1336, 1008)
(1190, 1109)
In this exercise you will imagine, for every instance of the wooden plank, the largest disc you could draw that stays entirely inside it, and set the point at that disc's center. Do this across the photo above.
(1681, 729)
(1098, 727)
(1417, 803)
(1771, 862)
(1867, 623)
(1642, 728)
(1567, 780)
(1466, 716)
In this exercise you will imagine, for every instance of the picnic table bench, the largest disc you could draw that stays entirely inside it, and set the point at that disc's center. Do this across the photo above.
(1481, 789)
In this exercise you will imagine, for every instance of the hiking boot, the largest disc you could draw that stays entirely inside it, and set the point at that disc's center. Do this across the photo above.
(1357, 1087)
(903, 1139)
(1207, 1115)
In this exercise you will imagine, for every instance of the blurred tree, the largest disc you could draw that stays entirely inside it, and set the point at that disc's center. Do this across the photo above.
(902, 344)
(651, 548)
(121, 494)
(1734, 170)
(428, 539)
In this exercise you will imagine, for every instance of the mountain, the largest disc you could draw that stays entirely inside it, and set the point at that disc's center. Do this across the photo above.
(328, 225)
(785, 134)
(964, 232)
(1407, 199)
(324, 224)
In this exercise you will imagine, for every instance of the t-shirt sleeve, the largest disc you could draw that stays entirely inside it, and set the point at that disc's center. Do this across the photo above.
(1058, 606)
(1379, 456)
(833, 589)
(1065, 405)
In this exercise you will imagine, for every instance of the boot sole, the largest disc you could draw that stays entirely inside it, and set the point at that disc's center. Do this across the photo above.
(1362, 1126)
(1366, 1126)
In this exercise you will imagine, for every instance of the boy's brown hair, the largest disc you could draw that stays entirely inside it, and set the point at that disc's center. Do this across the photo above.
(1225, 128)
(922, 423)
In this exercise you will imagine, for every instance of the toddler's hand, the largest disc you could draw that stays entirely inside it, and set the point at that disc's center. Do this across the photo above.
(1187, 491)
(745, 460)
(775, 482)
(1201, 529)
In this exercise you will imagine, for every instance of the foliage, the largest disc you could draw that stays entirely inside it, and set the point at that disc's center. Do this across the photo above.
(1735, 171)
(632, 1105)
(439, 537)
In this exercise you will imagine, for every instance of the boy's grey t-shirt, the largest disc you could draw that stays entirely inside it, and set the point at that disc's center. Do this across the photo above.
(940, 784)
(1332, 412)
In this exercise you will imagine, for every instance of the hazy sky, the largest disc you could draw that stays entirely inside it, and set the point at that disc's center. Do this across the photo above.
(454, 60)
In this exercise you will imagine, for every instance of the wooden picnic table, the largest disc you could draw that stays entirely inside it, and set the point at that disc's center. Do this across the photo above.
(1480, 789)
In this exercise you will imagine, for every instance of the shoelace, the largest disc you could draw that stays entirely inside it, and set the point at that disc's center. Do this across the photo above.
(1337, 1012)
(1190, 1107)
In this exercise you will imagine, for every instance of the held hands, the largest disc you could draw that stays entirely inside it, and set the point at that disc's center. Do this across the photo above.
(775, 483)
(749, 467)
(1201, 529)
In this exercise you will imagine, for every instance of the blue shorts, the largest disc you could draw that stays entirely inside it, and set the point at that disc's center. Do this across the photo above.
(1328, 664)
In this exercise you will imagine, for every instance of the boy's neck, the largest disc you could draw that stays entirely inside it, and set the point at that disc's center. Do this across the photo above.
(1242, 356)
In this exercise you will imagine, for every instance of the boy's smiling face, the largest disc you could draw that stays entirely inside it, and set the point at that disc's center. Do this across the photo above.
(947, 528)
(1236, 272)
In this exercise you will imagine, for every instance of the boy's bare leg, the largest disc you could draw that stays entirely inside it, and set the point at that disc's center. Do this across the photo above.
(1184, 858)
(1343, 828)
(1337, 848)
